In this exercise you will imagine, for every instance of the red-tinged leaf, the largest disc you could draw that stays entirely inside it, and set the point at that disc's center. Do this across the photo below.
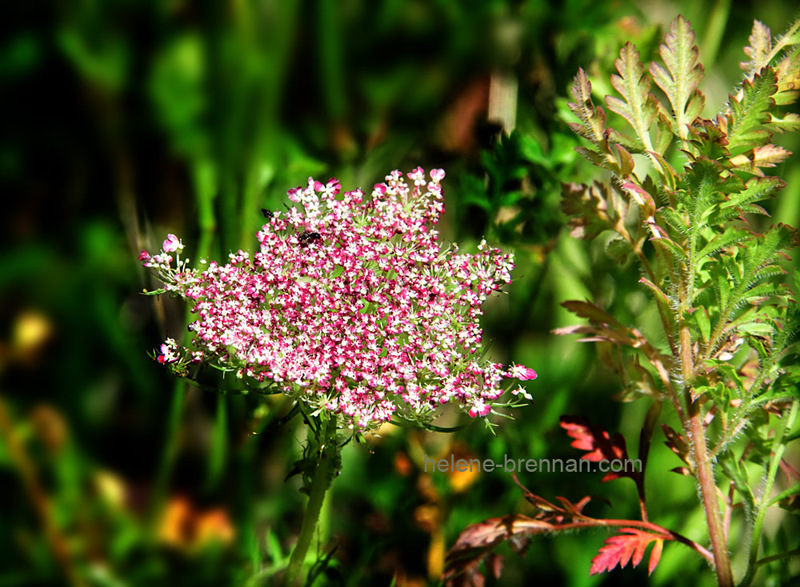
(764, 156)
(591, 209)
(629, 545)
(476, 542)
(574, 510)
(625, 163)
(550, 512)
(655, 556)
(593, 119)
(682, 75)
(642, 198)
(594, 439)
(668, 175)
(759, 48)
(660, 295)
(485, 535)
(602, 334)
(494, 562)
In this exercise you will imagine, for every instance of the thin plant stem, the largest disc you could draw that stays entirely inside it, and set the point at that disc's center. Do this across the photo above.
(779, 445)
(696, 432)
(319, 487)
(708, 494)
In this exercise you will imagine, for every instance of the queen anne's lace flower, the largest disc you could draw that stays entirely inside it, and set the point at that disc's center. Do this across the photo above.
(349, 305)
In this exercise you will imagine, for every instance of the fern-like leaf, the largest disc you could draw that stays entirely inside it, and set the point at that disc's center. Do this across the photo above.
(638, 106)
(744, 122)
(788, 74)
(593, 119)
(629, 544)
(682, 76)
(755, 190)
(731, 236)
(787, 123)
(677, 222)
(759, 49)
(752, 161)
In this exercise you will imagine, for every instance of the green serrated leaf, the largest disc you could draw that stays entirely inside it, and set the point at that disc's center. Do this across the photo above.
(593, 119)
(746, 116)
(730, 237)
(675, 220)
(755, 190)
(638, 105)
(682, 76)
(738, 474)
(788, 123)
(721, 285)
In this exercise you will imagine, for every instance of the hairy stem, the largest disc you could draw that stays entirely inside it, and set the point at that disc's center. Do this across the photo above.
(708, 494)
(696, 435)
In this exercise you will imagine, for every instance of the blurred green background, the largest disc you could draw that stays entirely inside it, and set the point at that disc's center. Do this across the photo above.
(123, 120)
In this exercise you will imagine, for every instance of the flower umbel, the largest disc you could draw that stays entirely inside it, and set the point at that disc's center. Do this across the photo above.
(349, 305)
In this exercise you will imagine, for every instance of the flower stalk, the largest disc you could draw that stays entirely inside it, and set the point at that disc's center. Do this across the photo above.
(320, 481)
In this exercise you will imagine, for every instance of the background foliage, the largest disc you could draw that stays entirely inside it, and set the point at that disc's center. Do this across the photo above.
(125, 120)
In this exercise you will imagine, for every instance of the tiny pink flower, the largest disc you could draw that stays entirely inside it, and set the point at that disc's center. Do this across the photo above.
(172, 244)
(168, 352)
(144, 256)
(522, 372)
(479, 409)
(437, 174)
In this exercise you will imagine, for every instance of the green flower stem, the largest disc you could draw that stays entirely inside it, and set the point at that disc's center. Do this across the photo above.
(779, 446)
(319, 486)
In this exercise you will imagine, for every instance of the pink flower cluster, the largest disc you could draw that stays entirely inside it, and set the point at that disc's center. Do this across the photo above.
(350, 305)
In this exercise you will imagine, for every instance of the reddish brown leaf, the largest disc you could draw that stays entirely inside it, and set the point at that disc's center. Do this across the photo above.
(591, 312)
(476, 542)
(486, 534)
(598, 443)
(629, 544)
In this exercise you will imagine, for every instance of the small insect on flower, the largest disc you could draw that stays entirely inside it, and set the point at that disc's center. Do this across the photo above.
(309, 237)
(267, 213)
